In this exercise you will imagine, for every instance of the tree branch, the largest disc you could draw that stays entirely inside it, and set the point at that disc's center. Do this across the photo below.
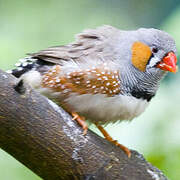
(44, 137)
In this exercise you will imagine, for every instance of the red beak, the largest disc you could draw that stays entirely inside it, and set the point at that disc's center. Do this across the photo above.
(168, 63)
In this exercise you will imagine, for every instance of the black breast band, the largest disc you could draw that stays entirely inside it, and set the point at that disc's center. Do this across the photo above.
(142, 95)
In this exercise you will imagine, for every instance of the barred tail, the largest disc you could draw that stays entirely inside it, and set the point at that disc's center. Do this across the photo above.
(27, 64)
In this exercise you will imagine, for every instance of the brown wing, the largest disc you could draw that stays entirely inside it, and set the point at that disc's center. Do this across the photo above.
(90, 43)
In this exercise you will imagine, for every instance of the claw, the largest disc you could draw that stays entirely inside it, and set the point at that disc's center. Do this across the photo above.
(115, 142)
(81, 121)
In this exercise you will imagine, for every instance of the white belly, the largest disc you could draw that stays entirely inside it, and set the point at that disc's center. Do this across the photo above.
(102, 109)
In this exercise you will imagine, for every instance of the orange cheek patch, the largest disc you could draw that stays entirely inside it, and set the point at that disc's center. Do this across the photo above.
(140, 55)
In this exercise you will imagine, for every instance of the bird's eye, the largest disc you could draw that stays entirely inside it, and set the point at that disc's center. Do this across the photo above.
(154, 50)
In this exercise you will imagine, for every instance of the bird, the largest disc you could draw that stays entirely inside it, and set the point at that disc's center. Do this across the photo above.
(106, 75)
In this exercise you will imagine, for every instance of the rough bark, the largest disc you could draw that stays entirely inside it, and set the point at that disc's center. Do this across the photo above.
(44, 138)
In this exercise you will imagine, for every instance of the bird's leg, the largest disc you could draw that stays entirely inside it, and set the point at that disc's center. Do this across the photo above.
(81, 122)
(109, 138)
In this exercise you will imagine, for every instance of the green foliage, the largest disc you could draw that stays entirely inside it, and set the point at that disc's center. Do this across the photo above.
(12, 169)
(167, 161)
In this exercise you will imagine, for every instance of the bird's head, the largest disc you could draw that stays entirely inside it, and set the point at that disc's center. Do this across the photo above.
(154, 50)
(150, 54)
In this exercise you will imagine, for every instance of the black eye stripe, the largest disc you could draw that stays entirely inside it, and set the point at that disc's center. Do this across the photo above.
(152, 55)
(154, 50)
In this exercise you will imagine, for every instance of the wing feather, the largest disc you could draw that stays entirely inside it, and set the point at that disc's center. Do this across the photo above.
(89, 42)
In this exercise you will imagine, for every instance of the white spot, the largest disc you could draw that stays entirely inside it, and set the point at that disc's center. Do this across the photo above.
(69, 77)
(98, 74)
(102, 87)
(62, 86)
(153, 174)
(77, 82)
(24, 64)
(58, 80)
(18, 64)
(22, 60)
(93, 86)
(19, 68)
(107, 84)
(99, 79)
(76, 156)
(153, 62)
(51, 81)
(102, 72)
(66, 91)
(4, 76)
(54, 70)
(89, 85)
(46, 78)
(105, 78)
(112, 76)
(58, 85)
(115, 85)
(54, 67)
(88, 82)
(9, 71)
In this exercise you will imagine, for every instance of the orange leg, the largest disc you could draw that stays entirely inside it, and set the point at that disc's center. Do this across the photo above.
(81, 122)
(109, 138)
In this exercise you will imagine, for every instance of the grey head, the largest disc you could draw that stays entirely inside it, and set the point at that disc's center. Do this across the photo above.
(159, 42)
(143, 82)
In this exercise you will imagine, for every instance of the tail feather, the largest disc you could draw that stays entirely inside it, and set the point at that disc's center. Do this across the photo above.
(27, 64)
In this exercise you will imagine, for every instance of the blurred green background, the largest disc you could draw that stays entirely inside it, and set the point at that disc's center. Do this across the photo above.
(28, 26)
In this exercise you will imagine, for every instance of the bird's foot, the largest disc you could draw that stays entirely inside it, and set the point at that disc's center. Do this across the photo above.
(109, 138)
(124, 148)
(81, 121)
